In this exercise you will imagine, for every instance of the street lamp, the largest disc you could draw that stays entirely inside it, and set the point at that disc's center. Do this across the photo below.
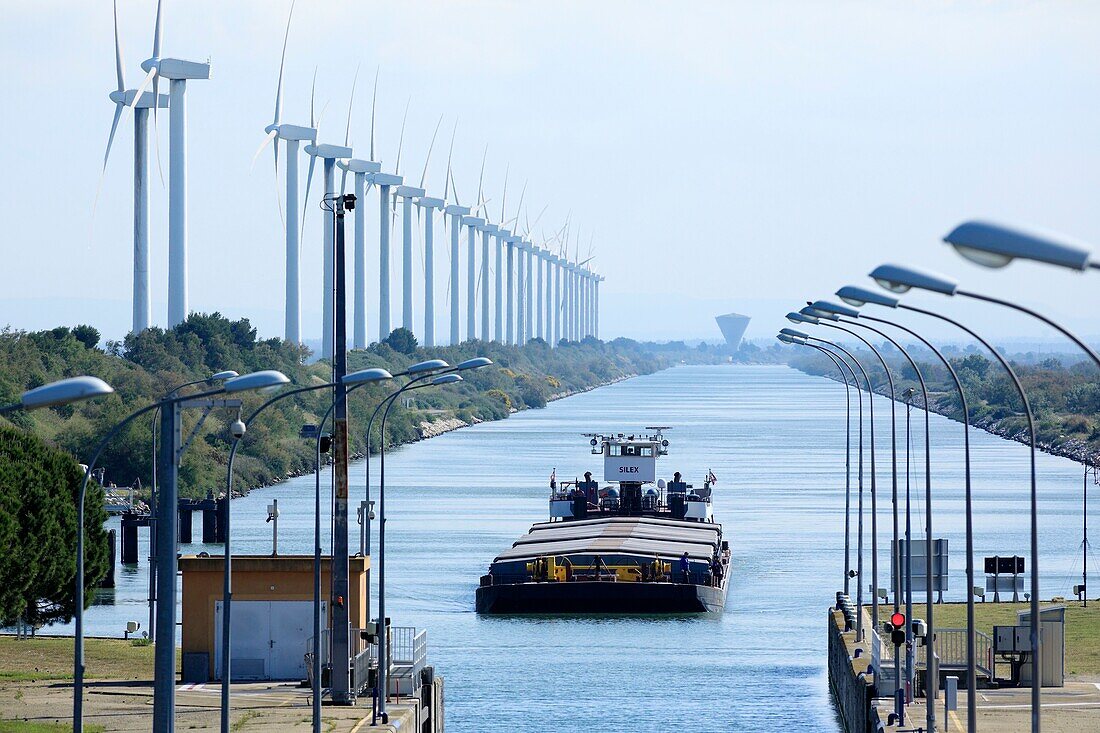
(835, 311)
(995, 245)
(858, 297)
(799, 318)
(826, 312)
(359, 378)
(841, 366)
(61, 392)
(219, 376)
(901, 280)
(446, 378)
(165, 655)
(807, 318)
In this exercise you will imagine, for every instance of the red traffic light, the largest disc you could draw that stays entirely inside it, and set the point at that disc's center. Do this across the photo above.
(898, 620)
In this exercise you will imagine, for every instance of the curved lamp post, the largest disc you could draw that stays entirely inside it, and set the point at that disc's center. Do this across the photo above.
(446, 378)
(806, 318)
(262, 380)
(431, 366)
(212, 379)
(826, 312)
(799, 318)
(364, 376)
(900, 280)
(847, 442)
(834, 311)
(995, 245)
(858, 297)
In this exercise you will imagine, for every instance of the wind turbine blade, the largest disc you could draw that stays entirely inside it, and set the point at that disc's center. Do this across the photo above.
(450, 152)
(282, 65)
(267, 140)
(156, 135)
(504, 198)
(312, 96)
(157, 33)
(119, 109)
(428, 157)
(401, 139)
(111, 137)
(451, 176)
(158, 30)
(519, 208)
(305, 201)
(373, 106)
(118, 60)
(351, 103)
(143, 86)
(481, 176)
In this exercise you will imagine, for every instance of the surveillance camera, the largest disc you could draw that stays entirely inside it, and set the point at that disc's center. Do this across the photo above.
(238, 429)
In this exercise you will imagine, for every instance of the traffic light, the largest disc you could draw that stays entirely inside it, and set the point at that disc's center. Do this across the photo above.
(896, 627)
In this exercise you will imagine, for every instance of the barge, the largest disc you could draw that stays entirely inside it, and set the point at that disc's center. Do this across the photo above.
(638, 544)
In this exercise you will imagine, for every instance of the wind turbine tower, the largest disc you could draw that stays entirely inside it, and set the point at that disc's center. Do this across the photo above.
(540, 297)
(487, 230)
(529, 290)
(456, 213)
(429, 205)
(556, 305)
(407, 194)
(178, 72)
(360, 169)
(385, 182)
(293, 135)
(141, 104)
(328, 154)
(473, 225)
(498, 303)
(510, 265)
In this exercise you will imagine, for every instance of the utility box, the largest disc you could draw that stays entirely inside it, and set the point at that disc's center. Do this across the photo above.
(1052, 647)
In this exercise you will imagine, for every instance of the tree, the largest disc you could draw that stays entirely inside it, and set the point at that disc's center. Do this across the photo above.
(402, 341)
(39, 486)
(86, 335)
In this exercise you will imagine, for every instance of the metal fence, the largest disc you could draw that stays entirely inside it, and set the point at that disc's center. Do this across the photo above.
(951, 650)
(408, 655)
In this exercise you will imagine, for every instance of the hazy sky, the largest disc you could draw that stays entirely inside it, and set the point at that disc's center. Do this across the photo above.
(722, 156)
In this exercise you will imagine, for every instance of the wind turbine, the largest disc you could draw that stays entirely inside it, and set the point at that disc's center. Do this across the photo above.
(178, 72)
(487, 230)
(293, 135)
(529, 290)
(360, 170)
(504, 238)
(473, 225)
(328, 154)
(456, 212)
(555, 310)
(141, 104)
(428, 205)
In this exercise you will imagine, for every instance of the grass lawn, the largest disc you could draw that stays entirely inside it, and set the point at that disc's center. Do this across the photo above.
(1082, 627)
(51, 658)
(19, 726)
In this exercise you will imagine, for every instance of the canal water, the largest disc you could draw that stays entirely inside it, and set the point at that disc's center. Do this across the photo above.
(775, 439)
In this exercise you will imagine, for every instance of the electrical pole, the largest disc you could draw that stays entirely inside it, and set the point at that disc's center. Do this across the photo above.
(340, 654)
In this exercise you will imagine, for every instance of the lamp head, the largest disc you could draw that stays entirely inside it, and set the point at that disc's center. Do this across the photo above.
(431, 365)
(898, 279)
(221, 376)
(476, 363)
(790, 340)
(858, 297)
(267, 380)
(800, 318)
(793, 333)
(446, 379)
(993, 245)
(840, 310)
(810, 312)
(64, 392)
(363, 376)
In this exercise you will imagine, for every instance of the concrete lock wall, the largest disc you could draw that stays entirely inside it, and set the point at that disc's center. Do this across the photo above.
(258, 578)
(853, 694)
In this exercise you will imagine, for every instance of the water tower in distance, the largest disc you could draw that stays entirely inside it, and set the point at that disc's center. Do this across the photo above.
(733, 327)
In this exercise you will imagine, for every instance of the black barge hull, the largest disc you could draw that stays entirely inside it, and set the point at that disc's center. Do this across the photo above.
(600, 597)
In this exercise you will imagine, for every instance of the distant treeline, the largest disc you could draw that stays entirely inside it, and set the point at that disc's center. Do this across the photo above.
(145, 366)
(1065, 399)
